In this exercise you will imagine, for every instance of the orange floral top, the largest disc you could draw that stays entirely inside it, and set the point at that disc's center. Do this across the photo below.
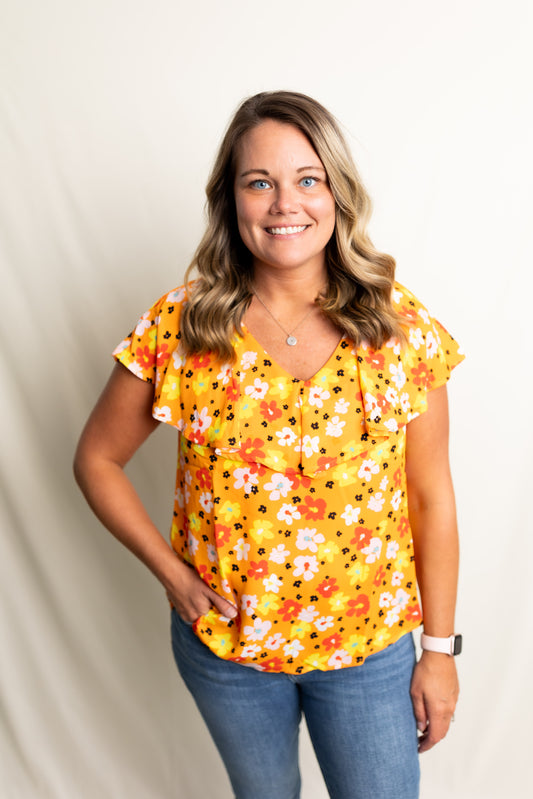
(291, 494)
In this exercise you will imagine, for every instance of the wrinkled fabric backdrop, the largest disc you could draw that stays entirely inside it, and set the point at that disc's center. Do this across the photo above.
(110, 114)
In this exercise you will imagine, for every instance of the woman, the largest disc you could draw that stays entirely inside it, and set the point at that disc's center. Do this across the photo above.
(309, 393)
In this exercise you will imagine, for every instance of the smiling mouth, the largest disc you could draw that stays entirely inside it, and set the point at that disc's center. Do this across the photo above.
(286, 231)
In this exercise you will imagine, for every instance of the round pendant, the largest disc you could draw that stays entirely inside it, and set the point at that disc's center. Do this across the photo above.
(292, 340)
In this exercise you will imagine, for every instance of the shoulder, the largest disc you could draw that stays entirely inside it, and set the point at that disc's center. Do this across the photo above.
(407, 304)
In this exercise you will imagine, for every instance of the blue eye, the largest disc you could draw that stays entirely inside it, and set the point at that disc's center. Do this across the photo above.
(259, 184)
(308, 182)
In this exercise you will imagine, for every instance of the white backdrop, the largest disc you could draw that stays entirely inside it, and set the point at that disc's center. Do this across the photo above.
(110, 114)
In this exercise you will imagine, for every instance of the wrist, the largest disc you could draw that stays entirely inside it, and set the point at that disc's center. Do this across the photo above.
(450, 645)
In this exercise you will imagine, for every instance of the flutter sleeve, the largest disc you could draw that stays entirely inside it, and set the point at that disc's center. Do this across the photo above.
(152, 351)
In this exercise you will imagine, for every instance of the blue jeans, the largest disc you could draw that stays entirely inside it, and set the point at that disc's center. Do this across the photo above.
(360, 721)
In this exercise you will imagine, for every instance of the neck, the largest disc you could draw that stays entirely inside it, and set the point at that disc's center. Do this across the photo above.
(289, 288)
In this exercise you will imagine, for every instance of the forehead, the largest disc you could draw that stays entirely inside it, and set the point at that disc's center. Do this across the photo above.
(276, 144)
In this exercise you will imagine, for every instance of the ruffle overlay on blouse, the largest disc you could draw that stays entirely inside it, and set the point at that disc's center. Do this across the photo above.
(227, 407)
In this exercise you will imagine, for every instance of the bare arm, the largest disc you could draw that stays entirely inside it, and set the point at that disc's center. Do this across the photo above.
(120, 422)
(432, 516)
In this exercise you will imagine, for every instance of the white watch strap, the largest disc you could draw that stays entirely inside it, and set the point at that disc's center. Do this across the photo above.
(447, 646)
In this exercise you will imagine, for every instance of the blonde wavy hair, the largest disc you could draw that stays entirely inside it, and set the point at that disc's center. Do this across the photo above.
(357, 298)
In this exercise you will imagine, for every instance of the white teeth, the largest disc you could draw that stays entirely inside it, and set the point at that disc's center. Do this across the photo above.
(286, 231)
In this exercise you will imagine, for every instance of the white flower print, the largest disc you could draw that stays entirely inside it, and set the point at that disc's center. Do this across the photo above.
(392, 617)
(391, 425)
(341, 406)
(241, 549)
(192, 544)
(178, 358)
(398, 375)
(308, 538)
(392, 549)
(258, 390)
(308, 614)
(250, 651)
(225, 374)
(291, 649)
(143, 324)
(385, 599)
(396, 578)
(423, 314)
(279, 554)
(309, 445)
(206, 501)
(176, 295)
(163, 414)
(244, 478)
(279, 486)
(372, 407)
(274, 641)
(248, 359)
(249, 603)
(225, 586)
(416, 339)
(405, 402)
(317, 396)
(334, 427)
(401, 599)
(323, 623)
(367, 469)
(286, 437)
(272, 583)
(339, 659)
(373, 550)
(376, 502)
(257, 630)
(306, 566)
(396, 499)
(212, 553)
(136, 369)
(396, 295)
(288, 513)
(391, 395)
(350, 514)
(201, 421)
(432, 345)
(384, 483)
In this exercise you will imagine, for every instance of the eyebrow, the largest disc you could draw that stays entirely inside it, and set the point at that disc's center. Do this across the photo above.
(266, 172)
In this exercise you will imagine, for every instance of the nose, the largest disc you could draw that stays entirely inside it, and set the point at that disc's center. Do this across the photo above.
(285, 201)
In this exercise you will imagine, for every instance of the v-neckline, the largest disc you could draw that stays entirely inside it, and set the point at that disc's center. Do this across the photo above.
(282, 369)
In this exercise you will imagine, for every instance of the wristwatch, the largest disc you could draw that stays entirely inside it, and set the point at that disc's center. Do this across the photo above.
(448, 646)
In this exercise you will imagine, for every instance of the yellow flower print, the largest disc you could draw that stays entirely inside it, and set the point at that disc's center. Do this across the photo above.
(356, 644)
(324, 378)
(268, 603)
(194, 522)
(300, 629)
(358, 573)
(247, 407)
(338, 601)
(317, 662)
(201, 384)
(230, 510)
(280, 387)
(261, 529)
(352, 448)
(344, 475)
(382, 636)
(327, 551)
(222, 644)
(276, 459)
(402, 560)
(171, 387)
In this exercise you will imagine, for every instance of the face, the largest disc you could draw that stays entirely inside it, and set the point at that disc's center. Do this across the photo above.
(285, 208)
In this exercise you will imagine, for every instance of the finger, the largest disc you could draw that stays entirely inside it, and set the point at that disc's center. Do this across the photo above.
(223, 606)
(419, 709)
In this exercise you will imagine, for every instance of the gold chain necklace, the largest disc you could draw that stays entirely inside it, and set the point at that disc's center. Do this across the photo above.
(291, 339)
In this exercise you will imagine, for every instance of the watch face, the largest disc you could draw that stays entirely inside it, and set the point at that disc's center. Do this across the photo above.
(457, 644)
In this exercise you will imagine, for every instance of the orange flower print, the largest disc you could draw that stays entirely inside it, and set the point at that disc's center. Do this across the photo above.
(145, 357)
(413, 612)
(270, 410)
(203, 477)
(222, 534)
(199, 361)
(358, 606)
(251, 450)
(422, 375)
(290, 609)
(258, 569)
(328, 587)
(378, 577)
(313, 508)
(333, 641)
(375, 359)
(162, 354)
(362, 537)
